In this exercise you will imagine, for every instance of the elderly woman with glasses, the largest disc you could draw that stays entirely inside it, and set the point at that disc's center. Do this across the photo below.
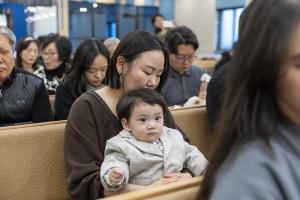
(184, 79)
(23, 96)
(56, 54)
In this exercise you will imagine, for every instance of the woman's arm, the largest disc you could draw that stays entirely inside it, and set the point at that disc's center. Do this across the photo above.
(83, 146)
(41, 111)
(63, 102)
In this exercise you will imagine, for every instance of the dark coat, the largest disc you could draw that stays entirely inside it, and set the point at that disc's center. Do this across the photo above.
(24, 98)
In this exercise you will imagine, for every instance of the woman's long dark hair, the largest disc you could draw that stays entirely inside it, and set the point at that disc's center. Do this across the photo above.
(82, 60)
(250, 109)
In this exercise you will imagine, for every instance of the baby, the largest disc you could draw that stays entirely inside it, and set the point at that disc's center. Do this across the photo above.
(145, 150)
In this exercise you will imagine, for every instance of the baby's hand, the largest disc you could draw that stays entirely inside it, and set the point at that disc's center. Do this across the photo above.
(115, 176)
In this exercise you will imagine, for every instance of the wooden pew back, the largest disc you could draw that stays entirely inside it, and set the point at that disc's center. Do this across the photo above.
(31, 160)
(32, 166)
(187, 189)
(208, 64)
(194, 122)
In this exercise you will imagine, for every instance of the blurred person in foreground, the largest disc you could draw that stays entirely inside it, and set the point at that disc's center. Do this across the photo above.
(257, 153)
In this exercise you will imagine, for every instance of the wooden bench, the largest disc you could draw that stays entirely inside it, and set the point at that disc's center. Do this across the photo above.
(31, 155)
(194, 122)
(187, 189)
(31, 161)
(208, 64)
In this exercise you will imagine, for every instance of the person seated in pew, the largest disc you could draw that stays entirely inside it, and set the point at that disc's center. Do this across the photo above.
(56, 54)
(257, 154)
(27, 54)
(87, 72)
(184, 79)
(140, 60)
(23, 96)
(146, 150)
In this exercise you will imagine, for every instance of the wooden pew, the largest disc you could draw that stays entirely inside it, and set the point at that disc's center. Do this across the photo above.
(31, 161)
(208, 64)
(194, 122)
(31, 156)
(187, 189)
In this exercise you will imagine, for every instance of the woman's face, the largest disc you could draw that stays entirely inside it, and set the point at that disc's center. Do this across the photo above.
(288, 88)
(96, 74)
(6, 58)
(30, 54)
(51, 57)
(184, 58)
(159, 22)
(144, 71)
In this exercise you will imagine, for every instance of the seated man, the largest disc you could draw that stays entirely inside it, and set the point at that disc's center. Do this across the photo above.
(23, 96)
(184, 79)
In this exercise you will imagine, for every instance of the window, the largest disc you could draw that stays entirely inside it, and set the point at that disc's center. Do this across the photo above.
(3, 19)
(228, 25)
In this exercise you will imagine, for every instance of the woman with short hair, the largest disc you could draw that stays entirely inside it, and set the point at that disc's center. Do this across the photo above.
(56, 54)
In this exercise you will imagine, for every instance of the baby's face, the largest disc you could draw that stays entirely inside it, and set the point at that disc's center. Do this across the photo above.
(146, 122)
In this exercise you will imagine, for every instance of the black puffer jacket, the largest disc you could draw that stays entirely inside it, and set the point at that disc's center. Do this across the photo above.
(24, 98)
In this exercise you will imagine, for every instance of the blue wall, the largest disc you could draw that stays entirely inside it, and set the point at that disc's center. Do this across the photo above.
(167, 9)
(18, 18)
(222, 4)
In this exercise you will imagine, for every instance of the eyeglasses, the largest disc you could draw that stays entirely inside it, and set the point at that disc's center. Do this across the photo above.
(183, 58)
(49, 53)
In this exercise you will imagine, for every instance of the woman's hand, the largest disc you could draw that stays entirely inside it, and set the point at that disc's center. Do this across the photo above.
(169, 178)
(180, 176)
(172, 177)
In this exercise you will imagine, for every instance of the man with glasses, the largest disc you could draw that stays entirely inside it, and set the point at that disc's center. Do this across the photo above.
(184, 79)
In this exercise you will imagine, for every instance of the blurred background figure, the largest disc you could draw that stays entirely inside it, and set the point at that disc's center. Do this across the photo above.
(161, 26)
(158, 24)
(56, 53)
(27, 54)
(87, 72)
(225, 58)
(111, 44)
